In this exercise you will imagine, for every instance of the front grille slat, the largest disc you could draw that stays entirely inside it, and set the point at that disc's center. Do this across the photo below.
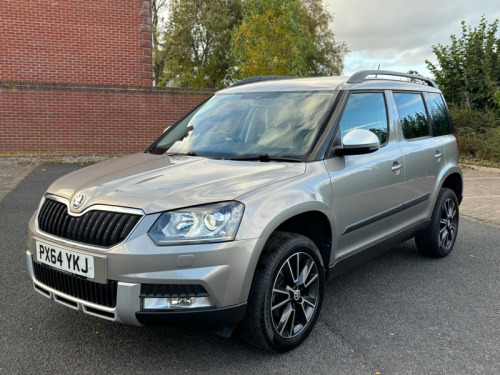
(102, 227)
(97, 227)
(82, 227)
(128, 227)
(50, 214)
(109, 229)
(70, 232)
(100, 294)
(117, 229)
(43, 212)
(59, 219)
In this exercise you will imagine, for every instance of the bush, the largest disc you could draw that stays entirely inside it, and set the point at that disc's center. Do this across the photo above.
(478, 133)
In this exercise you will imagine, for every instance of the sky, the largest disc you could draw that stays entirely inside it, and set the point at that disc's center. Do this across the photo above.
(399, 34)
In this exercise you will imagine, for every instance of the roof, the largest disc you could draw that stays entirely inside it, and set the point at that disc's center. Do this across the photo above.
(358, 81)
(293, 84)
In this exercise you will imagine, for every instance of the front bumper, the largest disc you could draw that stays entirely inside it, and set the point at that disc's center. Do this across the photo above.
(128, 306)
(224, 270)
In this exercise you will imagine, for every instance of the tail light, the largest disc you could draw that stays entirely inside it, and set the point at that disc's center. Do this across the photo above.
(456, 140)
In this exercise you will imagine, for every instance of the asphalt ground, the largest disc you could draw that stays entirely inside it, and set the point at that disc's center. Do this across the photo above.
(401, 313)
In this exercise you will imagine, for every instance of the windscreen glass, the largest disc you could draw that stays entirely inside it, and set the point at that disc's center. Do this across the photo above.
(275, 124)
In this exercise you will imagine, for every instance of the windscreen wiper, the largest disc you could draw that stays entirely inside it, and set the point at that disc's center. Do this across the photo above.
(180, 153)
(265, 158)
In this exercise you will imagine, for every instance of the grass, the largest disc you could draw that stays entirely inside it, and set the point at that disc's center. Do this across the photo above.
(468, 160)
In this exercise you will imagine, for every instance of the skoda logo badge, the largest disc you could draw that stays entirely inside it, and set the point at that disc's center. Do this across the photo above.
(78, 200)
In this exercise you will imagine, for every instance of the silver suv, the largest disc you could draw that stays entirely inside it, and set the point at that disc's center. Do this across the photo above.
(237, 214)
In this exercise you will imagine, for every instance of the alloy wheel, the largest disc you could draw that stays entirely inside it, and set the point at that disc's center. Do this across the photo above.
(295, 295)
(448, 223)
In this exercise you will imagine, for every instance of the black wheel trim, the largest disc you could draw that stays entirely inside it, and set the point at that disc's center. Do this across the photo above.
(448, 224)
(295, 295)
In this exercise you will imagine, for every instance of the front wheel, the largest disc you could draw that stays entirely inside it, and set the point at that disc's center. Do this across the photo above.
(286, 294)
(438, 238)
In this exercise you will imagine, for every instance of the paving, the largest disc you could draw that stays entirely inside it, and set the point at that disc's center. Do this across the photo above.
(481, 194)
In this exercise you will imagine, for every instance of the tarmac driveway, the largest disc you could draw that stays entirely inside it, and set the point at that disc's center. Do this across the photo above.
(399, 314)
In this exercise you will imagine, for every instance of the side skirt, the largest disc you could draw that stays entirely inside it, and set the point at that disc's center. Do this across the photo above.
(375, 249)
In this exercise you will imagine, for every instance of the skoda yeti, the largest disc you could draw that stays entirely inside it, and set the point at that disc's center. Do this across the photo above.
(237, 214)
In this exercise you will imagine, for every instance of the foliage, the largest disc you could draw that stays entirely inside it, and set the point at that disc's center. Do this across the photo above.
(289, 37)
(158, 46)
(212, 43)
(328, 55)
(469, 76)
(469, 73)
(478, 133)
(197, 43)
(271, 40)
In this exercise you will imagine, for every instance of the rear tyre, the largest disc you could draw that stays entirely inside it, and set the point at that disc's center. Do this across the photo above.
(286, 295)
(438, 238)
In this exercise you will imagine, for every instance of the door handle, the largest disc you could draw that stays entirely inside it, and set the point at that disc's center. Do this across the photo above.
(438, 155)
(396, 166)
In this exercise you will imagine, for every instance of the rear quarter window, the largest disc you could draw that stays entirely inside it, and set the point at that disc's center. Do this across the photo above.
(441, 124)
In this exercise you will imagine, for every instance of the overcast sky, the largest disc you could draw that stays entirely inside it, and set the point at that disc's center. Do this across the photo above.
(399, 34)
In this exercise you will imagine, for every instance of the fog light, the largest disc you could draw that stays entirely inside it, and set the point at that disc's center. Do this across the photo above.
(176, 303)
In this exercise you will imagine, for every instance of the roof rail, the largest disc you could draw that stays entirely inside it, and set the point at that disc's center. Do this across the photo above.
(360, 76)
(259, 78)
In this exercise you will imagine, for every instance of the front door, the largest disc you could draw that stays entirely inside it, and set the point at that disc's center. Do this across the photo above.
(368, 190)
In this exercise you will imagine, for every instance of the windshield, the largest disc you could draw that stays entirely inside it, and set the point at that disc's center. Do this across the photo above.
(270, 124)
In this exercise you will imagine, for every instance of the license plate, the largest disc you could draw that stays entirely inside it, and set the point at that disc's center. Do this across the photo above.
(65, 260)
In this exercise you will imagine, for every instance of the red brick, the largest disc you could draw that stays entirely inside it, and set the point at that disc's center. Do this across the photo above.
(86, 42)
(61, 119)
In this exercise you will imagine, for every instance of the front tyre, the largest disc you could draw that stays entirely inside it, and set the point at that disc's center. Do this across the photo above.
(438, 238)
(286, 294)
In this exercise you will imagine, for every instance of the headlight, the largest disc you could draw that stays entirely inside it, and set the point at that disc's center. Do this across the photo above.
(211, 223)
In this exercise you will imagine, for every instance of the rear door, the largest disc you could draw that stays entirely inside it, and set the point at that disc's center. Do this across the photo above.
(424, 155)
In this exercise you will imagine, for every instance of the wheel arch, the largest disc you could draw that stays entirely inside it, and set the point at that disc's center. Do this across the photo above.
(314, 225)
(454, 182)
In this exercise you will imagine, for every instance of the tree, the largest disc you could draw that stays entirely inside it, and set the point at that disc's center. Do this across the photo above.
(469, 73)
(328, 55)
(290, 37)
(197, 41)
(159, 51)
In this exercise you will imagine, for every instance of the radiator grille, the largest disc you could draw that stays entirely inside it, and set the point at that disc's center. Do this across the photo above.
(101, 228)
(100, 294)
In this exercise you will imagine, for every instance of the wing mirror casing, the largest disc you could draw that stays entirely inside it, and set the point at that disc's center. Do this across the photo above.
(357, 142)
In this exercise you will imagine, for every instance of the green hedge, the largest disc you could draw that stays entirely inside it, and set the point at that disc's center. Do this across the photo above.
(478, 133)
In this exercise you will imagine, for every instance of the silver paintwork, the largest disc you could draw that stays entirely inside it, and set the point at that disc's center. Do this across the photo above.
(348, 191)
(357, 138)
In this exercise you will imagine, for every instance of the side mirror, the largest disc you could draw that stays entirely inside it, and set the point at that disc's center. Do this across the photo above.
(357, 142)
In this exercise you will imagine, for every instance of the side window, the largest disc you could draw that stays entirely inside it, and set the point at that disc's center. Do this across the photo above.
(412, 115)
(366, 111)
(439, 114)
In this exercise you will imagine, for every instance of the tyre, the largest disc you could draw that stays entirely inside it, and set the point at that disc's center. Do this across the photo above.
(286, 295)
(438, 238)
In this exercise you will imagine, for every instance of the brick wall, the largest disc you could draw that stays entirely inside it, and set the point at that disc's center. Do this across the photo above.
(78, 120)
(75, 78)
(101, 42)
